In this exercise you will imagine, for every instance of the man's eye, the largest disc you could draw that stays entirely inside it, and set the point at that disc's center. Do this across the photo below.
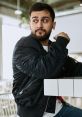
(45, 20)
(35, 20)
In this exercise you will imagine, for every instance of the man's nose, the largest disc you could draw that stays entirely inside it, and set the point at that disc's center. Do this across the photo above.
(40, 24)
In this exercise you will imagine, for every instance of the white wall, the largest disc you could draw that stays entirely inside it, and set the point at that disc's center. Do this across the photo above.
(71, 23)
(0, 48)
(11, 33)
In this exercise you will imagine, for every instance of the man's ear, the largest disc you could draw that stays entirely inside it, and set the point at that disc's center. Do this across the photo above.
(54, 25)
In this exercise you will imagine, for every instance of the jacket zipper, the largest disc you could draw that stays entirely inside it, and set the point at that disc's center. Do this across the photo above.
(46, 104)
(27, 86)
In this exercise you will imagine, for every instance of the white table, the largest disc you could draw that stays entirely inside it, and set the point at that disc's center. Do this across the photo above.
(63, 87)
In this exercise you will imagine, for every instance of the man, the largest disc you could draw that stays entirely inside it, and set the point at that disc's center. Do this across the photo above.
(36, 58)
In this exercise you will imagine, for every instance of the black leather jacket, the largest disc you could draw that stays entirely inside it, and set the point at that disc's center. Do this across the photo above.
(32, 64)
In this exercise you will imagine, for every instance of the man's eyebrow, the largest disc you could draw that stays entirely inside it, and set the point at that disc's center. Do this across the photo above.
(41, 18)
(45, 17)
(34, 17)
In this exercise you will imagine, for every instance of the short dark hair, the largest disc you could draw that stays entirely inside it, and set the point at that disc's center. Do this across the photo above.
(39, 6)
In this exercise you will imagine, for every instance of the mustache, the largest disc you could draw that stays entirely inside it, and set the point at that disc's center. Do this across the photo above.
(40, 29)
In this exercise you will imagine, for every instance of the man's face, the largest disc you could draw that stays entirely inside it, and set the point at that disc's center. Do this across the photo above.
(41, 24)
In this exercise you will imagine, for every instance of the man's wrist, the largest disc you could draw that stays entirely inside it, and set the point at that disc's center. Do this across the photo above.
(62, 40)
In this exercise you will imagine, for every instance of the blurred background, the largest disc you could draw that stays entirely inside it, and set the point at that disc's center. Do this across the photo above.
(14, 24)
(10, 7)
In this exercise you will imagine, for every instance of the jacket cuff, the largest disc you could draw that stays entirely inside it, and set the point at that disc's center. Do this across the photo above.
(62, 41)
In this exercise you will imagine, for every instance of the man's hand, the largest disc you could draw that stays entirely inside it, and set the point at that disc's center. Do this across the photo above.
(62, 34)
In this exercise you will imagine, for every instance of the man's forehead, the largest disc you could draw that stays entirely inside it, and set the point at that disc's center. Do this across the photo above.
(40, 14)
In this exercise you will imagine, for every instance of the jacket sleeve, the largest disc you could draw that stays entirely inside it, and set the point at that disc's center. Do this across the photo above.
(73, 68)
(30, 61)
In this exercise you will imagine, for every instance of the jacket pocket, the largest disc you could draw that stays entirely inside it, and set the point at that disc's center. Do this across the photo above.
(30, 94)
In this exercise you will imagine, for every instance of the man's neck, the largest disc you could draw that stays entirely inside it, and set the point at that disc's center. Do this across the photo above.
(44, 43)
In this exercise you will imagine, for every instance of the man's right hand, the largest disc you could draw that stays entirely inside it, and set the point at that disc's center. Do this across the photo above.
(62, 34)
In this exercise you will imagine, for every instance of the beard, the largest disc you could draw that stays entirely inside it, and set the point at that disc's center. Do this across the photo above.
(41, 38)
